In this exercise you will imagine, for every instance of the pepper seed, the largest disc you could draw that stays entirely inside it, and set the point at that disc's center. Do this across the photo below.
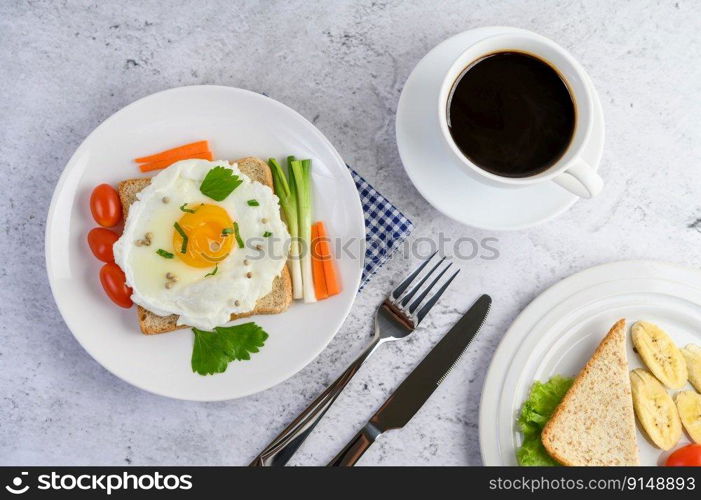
(249, 275)
(165, 199)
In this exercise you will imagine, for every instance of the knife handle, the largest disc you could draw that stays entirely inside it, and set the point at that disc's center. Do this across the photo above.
(354, 449)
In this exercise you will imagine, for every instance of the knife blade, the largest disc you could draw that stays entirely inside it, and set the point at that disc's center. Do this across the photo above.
(415, 390)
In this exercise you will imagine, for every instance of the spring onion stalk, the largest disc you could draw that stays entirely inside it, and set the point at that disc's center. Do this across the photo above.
(296, 241)
(301, 171)
(288, 202)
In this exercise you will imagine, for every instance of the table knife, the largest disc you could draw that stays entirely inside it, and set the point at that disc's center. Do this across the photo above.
(410, 396)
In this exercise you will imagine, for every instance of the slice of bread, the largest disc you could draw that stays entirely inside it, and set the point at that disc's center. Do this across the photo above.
(277, 301)
(594, 424)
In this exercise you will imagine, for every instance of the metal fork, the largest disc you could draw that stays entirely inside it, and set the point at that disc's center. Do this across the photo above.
(396, 318)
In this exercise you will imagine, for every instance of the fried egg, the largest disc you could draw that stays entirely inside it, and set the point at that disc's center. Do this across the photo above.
(182, 253)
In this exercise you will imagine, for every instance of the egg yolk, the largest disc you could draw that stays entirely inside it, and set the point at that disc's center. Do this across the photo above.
(210, 236)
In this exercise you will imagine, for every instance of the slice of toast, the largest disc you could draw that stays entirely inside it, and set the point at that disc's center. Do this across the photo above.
(277, 301)
(594, 424)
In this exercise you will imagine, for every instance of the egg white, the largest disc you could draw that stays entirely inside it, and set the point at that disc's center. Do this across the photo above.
(203, 302)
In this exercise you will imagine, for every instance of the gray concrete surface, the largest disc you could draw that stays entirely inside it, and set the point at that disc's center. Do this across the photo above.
(67, 67)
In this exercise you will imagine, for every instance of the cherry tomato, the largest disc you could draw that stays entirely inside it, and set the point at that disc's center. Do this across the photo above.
(105, 205)
(686, 456)
(114, 283)
(100, 241)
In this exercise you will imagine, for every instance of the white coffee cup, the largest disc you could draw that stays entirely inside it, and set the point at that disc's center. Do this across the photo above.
(571, 171)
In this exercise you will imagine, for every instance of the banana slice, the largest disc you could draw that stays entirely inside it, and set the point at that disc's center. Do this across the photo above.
(689, 406)
(655, 409)
(692, 355)
(660, 355)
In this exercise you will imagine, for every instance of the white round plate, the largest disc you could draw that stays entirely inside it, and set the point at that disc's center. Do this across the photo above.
(558, 332)
(438, 175)
(237, 123)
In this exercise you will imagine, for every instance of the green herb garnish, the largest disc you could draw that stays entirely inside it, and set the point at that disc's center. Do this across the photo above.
(213, 351)
(227, 231)
(180, 231)
(216, 268)
(184, 209)
(535, 413)
(267, 234)
(239, 241)
(253, 203)
(164, 254)
(219, 183)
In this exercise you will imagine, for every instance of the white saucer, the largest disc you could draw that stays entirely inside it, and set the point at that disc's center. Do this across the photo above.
(436, 172)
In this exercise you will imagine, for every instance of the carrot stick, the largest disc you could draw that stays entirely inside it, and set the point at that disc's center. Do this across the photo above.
(318, 268)
(156, 165)
(333, 285)
(180, 152)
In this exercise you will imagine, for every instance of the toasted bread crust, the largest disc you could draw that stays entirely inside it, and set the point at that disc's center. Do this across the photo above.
(277, 301)
(620, 446)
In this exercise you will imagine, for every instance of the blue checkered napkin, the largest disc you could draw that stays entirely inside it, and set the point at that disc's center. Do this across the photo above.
(385, 227)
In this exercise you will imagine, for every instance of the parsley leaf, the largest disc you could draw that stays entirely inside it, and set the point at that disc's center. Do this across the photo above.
(213, 351)
(267, 234)
(184, 208)
(164, 254)
(216, 268)
(239, 241)
(253, 203)
(219, 183)
(227, 230)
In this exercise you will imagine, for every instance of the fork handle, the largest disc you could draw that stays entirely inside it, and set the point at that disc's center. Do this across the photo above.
(281, 449)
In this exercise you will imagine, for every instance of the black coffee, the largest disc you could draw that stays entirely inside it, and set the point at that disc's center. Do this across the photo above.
(511, 114)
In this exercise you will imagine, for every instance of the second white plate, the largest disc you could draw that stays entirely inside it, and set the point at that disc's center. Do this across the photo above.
(558, 332)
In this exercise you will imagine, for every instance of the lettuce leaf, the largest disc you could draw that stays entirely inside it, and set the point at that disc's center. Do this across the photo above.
(535, 413)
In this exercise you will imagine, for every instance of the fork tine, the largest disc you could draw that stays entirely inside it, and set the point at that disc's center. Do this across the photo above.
(407, 281)
(432, 301)
(413, 291)
(423, 294)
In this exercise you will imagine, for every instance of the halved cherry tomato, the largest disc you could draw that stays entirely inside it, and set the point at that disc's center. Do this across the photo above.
(100, 241)
(114, 283)
(686, 456)
(105, 205)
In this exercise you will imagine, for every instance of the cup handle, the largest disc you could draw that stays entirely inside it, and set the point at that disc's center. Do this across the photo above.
(580, 179)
